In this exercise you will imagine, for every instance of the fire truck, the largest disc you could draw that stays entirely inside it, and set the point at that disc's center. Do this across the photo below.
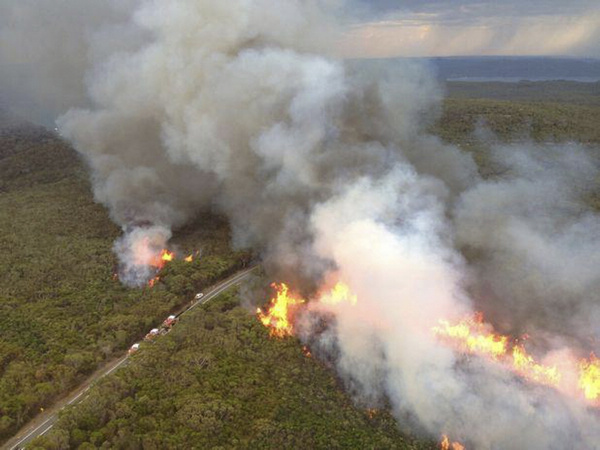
(169, 322)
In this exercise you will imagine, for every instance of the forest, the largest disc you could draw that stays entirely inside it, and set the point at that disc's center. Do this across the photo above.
(62, 312)
(217, 380)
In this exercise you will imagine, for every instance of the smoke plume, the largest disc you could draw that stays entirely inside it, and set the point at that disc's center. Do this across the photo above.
(324, 167)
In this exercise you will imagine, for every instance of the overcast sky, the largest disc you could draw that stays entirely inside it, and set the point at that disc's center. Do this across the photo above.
(467, 27)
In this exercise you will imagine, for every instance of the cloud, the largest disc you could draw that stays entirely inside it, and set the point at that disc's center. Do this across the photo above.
(423, 35)
(434, 28)
(447, 9)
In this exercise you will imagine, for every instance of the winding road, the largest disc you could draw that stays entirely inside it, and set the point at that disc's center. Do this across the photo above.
(43, 422)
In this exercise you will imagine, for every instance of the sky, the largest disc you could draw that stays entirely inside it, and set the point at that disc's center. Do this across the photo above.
(388, 28)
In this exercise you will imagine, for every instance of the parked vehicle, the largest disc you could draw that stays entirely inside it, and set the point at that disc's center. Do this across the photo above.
(152, 334)
(134, 348)
(170, 321)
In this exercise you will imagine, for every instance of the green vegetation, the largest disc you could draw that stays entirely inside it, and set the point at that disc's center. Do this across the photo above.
(61, 312)
(478, 115)
(219, 381)
(570, 92)
(518, 121)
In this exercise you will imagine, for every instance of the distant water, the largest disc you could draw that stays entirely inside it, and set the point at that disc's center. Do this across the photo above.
(520, 79)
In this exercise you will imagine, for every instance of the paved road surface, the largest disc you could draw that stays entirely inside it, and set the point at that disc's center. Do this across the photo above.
(45, 421)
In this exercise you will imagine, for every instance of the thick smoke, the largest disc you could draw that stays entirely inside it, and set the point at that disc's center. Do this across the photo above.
(392, 242)
(324, 167)
(537, 242)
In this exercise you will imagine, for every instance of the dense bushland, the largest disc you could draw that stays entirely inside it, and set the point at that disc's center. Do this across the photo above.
(219, 381)
(62, 314)
(61, 311)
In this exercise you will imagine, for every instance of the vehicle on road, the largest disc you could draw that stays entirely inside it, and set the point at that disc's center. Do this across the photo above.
(170, 321)
(134, 348)
(152, 334)
(26, 434)
(199, 295)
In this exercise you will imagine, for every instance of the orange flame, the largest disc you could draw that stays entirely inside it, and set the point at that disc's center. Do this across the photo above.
(589, 378)
(340, 293)
(166, 255)
(445, 444)
(279, 315)
(153, 281)
(473, 336)
(159, 261)
(189, 258)
(528, 368)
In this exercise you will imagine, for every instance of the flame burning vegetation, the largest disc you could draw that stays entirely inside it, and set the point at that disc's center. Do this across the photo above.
(468, 336)
(589, 381)
(162, 259)
(445, 444)
(155, 261)
(473, 336)
(279, 315)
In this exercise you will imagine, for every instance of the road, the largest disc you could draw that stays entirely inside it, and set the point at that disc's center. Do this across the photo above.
(43, 422)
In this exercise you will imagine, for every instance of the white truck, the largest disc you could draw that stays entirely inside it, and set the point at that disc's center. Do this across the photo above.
(134, 348)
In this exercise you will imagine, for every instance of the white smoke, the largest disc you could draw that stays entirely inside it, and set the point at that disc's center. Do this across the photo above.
(390, 241)
(139, 250)
(323, 166)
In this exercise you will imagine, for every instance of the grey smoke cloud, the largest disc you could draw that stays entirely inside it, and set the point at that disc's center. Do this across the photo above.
(324, 167)
(538, 241)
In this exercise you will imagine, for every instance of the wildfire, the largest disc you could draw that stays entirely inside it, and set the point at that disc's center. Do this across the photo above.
(527, 367)
(166, 255)
(160, 260)
(279, 315)
(339, 294)
(589, 379)
(189, 258)
(470, 335)
(445, 444)
(473, 336)
(306, 351)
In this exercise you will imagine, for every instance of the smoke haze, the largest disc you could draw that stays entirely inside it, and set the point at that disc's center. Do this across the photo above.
(324, 168)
